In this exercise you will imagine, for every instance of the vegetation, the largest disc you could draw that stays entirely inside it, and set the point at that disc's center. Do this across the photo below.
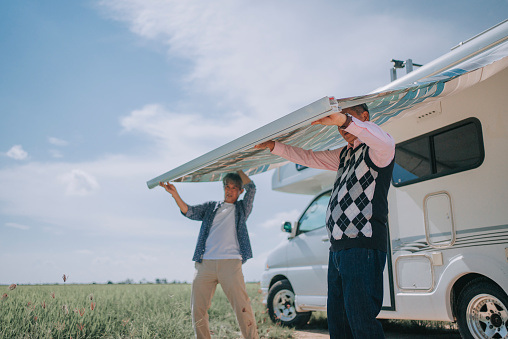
(144, 311)
(119, 311)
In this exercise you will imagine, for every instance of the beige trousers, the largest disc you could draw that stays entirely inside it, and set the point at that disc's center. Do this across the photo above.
(228, 273)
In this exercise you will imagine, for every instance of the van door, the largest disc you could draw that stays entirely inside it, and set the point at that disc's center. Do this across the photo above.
(308, 255)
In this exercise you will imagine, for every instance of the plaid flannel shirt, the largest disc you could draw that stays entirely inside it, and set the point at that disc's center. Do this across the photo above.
(206, 213)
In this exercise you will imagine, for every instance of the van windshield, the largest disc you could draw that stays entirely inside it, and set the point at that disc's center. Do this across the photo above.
(314, 216)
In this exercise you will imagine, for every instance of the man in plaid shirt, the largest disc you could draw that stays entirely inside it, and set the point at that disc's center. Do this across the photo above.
(223, 246)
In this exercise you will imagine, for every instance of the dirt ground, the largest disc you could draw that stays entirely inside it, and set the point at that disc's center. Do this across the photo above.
(311, 334)
(317, 328)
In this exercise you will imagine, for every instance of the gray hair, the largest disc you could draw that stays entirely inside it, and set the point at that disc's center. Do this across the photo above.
(234, 178)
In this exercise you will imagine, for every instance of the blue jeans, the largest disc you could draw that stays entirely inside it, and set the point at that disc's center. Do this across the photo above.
(355, 293)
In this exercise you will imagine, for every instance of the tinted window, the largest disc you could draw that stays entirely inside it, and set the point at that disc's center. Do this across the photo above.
(412, 161)
(452, 149)
(457, 148)
(314, 216)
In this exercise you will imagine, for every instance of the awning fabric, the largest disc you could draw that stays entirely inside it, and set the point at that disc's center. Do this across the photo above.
(295, 128)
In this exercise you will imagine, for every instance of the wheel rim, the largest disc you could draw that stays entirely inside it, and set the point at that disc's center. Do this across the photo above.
(487, 317)
(284, 305)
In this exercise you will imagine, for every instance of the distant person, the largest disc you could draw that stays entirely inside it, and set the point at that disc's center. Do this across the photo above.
(356, 219)
(223, 246)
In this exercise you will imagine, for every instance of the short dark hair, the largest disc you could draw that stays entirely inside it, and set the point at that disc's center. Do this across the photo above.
(234, 178)
(359, 109)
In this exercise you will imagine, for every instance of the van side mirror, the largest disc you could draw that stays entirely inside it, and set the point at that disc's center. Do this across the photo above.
(286, 227)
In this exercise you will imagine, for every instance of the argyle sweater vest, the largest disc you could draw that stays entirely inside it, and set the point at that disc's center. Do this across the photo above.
(357, 213)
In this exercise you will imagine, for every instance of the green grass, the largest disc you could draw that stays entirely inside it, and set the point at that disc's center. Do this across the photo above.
(120, 311)
(143, 311)
(420, 326)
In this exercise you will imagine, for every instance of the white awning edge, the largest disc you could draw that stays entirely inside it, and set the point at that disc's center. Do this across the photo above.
(295, 129)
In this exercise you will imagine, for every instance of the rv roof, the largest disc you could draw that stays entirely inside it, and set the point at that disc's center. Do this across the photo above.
(416, 89)
(462, 52)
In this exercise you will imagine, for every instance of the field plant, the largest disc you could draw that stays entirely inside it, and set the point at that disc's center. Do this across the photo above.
(119, 311)
(421, 326)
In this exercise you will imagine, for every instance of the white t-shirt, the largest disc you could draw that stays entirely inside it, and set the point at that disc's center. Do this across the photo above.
(222, 242)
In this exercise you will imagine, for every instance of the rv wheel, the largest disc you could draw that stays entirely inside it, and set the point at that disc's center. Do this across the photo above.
(482, 311)
(281, 305)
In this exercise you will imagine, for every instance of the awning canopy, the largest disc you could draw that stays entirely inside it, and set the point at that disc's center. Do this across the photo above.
(295, 129)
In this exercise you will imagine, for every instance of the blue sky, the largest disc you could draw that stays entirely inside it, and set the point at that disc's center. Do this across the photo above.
(97, 97)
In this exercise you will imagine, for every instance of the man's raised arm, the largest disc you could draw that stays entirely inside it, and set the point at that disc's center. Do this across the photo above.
(245, 178)
(172, 190)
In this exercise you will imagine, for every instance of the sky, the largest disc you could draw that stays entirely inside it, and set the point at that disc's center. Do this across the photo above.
(99, 96)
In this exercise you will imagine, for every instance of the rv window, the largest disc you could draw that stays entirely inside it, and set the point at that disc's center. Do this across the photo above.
(452, 149)
(457, 148)
(412, 161)
(314, 216)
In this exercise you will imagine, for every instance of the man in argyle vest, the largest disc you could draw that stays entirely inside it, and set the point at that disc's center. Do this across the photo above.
(356, 219)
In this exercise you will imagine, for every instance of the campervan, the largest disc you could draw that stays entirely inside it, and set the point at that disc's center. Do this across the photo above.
(448, 212)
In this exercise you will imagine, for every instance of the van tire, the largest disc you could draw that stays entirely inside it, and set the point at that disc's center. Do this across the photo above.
(281, 306)
(482, 310)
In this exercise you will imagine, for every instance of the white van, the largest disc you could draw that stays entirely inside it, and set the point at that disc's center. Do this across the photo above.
(448, 214)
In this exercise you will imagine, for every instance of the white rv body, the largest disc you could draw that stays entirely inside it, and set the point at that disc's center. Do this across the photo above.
(477, 207)
(446, 231)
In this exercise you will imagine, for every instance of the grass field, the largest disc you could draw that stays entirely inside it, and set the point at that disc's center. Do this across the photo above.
(119, 311)
(143, 311)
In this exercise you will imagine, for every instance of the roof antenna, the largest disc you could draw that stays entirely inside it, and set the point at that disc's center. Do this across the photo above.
(408, 64)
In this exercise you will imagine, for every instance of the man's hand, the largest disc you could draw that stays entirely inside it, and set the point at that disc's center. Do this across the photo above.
(335, 119)
(267, 144)
(172, 189)
(169, 188)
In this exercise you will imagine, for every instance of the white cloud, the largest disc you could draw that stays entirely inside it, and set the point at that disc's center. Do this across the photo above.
(57, 141)
(51, 230)
(80, 183)
(17, 226)
(184, 136)
(294, 57)
(84, 252)
(55, 153)
(17, 152)
(114, 197)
